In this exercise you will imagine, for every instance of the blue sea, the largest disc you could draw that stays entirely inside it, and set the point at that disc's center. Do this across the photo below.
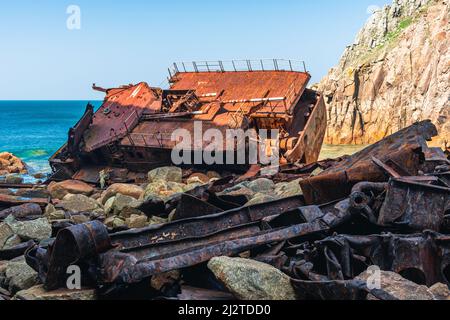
(34, 130)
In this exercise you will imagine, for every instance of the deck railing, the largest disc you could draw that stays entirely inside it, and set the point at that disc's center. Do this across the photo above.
(238, 65)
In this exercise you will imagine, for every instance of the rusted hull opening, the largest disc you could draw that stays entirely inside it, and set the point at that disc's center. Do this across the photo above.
(135, 126)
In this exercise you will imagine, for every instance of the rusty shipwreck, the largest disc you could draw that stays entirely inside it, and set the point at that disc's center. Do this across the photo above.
(131, 131)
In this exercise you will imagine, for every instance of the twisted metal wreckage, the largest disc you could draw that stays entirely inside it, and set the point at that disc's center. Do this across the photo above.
(387, 205)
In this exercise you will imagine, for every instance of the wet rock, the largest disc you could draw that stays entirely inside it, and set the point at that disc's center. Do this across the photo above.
(13, 179)
(124, 206)
(198, 178)
(157, 220)
(261, 185)
(22, 211)
(98, 214)
(288, 189)
(6, 232)
(440, 291)
(136, 221)
(78, 203)
(108, 207)
(130, 211)
(9, 163)
(39, 175)
(399, 287)
(12, 241)
(39, 229)
(162, 189)
(130, 190)
(260, 198)
(252, 280)
(19, 275)
(239, 189)
(154, 189)
(59, 190)
(39, 293)
(173, 174)
(79, 219)
(52, 214)
(56, 215)
(114, 222)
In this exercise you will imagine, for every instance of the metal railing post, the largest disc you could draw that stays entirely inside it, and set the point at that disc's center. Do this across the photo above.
(195, 66)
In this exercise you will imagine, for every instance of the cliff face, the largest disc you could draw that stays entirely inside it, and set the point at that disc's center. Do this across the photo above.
(397, 72)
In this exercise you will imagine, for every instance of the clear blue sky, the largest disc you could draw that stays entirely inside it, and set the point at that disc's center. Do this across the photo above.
(123, 42)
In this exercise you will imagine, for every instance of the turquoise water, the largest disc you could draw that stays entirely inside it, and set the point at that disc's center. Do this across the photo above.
(34, 130)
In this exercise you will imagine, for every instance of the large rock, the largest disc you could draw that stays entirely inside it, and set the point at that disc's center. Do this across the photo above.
(261, 185)
(22, 211)
(12, 242)
(252, 280)
(288, 189)
(114, 222)
(59, 190)
(124, 206)
(163, 190)
(394, 74)
(173, 174)
(137, 221)
(52, 214)
(78, 203)
(20, 276)
(9, 163)
(240, 189)
(440, 291)
(39, 293)
(6, 232)
(124, 189)
(399, 287)
(260, 198)
(39, 229)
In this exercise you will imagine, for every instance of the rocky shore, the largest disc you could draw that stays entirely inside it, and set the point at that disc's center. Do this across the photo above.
(9, 164)
(212, 236)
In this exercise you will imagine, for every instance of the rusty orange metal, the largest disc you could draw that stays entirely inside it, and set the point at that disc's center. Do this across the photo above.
(133, 128)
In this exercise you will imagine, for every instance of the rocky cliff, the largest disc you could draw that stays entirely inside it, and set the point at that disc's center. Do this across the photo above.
(396, 72)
